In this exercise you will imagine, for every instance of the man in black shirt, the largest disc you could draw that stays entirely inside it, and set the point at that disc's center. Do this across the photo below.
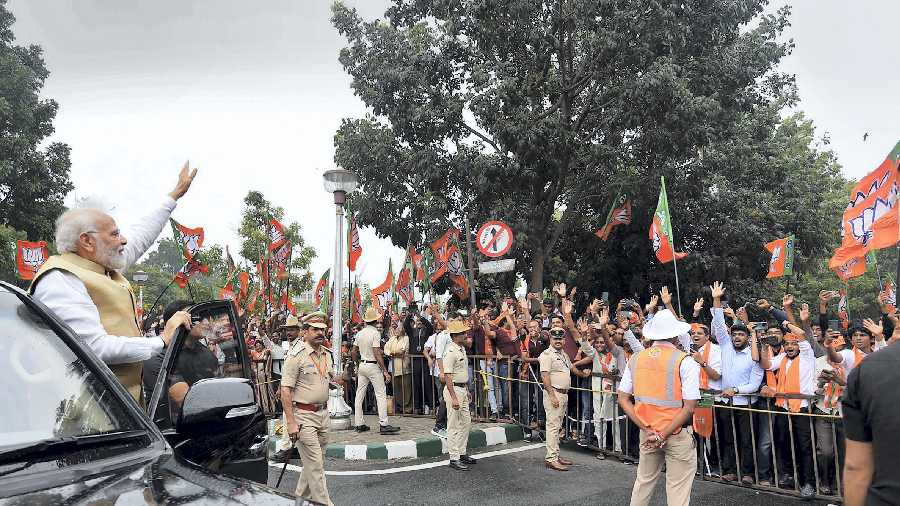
(872, 428)
(419, 329)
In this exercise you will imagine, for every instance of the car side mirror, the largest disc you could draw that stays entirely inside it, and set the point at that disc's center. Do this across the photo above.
(217, 405)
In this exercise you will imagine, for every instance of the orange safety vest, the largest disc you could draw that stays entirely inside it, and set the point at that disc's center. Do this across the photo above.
(655, 373)
(789, 383)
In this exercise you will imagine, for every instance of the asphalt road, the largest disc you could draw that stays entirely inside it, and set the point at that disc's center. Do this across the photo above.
(517, 477)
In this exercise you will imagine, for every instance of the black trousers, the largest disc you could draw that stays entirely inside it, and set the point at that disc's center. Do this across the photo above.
(423, 388)
(441, 415)
(798, 428)
(727, 423)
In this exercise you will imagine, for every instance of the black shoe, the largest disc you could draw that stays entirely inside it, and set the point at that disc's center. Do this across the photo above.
(458, 465)
(362, 428)
(807, 491)
(465, 459)
(389, 429)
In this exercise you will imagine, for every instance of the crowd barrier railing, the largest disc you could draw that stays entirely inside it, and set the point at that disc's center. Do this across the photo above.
(760, 445)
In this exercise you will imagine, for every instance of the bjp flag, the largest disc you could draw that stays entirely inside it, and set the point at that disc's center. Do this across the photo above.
(852, 268)
(661, 237)
(30, 256)
(355, 246)
(870, 219)
(782, 261)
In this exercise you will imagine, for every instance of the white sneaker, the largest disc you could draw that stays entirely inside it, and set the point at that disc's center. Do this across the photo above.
(442, 433)
(427, 410)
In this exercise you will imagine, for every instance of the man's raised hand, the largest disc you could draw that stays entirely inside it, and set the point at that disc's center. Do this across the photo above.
(185, 178)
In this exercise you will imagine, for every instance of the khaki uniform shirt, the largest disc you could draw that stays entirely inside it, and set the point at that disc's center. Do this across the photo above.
(455, 363)
(557, 363)
(308, 372)
(366, 340)
(395, 347)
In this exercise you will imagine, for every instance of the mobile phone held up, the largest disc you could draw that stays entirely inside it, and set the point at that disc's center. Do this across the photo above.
(834, 325)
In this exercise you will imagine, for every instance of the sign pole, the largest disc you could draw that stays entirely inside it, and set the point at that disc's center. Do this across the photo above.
(471, 262)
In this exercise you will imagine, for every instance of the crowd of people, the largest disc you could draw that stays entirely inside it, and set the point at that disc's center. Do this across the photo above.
(771, 377)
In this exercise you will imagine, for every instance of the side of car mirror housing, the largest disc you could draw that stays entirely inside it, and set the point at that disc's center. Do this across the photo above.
(217, 405)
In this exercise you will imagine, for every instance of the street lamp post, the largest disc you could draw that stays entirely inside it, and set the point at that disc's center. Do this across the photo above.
(339, 182)
(141, 277)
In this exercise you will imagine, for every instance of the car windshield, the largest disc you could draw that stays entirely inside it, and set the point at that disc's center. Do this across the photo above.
(46, 391)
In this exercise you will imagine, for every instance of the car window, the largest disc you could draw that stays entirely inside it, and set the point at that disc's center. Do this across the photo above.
(210, 350)
(47, 391)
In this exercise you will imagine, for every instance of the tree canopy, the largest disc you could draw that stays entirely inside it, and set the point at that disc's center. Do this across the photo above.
(539, 112)
(34, 178)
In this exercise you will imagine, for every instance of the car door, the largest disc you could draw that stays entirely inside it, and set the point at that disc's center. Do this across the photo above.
(200, 370)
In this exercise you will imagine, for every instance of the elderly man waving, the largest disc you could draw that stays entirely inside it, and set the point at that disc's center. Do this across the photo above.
(85, 287)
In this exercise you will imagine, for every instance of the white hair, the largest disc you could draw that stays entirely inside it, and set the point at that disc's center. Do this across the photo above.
(72, 223)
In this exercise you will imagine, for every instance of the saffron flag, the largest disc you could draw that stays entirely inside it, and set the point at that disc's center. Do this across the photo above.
(619, 214)
(381, 294)
(843, 313)
(262, 268)
(853, 268)
(282, 257)
(441, 254)
(227, 292)
(355, 249)
(320, 298)
(30, 256)
(661, 237)
(286, 304)
(459, 286)
(782, 261)
(417, 261)
(252, 304)
(190, 240)
(870, 219)
(139, 306)
(244, 283)
(891, 301)
(190, 268)
(276, 234)
(357, 304)
(404, 286)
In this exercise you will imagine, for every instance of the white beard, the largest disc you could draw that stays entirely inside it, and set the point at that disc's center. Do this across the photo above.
(111, 258)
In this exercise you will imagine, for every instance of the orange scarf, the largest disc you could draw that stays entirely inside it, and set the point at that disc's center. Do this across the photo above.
(832, 389)
(858, 356)
(789, 383)
(771, 381)
(704, 377)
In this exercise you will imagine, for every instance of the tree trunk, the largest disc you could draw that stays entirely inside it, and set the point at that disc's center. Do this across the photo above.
(536, 283)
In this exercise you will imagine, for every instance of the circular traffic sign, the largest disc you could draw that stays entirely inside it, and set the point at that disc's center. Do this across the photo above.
(494, 239)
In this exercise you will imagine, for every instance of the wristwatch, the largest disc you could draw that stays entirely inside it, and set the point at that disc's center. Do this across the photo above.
(703, 365)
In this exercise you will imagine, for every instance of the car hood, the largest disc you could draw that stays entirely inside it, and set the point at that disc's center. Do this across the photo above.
(158, 480)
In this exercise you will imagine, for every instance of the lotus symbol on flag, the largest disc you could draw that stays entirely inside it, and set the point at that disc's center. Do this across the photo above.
(454, 264)
(657, 242)
(33, 257)
(191, 243)
(384, 299)
(354, 238)
(861, 226)
(776, 254)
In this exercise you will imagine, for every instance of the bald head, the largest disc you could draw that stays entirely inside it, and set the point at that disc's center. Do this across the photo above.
(91, 234)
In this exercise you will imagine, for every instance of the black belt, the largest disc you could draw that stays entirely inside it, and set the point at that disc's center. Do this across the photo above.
(368, 361)
(460, 385)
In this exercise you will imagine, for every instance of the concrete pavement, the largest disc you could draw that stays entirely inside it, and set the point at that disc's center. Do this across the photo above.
(512, 475)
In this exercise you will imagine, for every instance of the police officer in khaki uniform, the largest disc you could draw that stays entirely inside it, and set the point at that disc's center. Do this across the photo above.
(456, 395)
(367, 346)
(291, 333)
(305, 383)
(555, 368)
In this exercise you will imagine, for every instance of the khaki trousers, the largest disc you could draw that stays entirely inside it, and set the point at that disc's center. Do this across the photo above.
(554, 423)
(311, 444)
(680, 458)
(370, 373)
(459, 421)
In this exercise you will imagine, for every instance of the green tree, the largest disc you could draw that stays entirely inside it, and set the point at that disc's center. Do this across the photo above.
(537, 112)
(34, 178)
(255, 225)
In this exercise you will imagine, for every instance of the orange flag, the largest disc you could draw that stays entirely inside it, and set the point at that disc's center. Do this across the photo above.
(355, 246)
(661, 236)
(782, 262)
(870, 219)
(381, 294)
(852, 268)
(30, 256)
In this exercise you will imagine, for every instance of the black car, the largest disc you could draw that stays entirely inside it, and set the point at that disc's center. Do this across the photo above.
(70, 433)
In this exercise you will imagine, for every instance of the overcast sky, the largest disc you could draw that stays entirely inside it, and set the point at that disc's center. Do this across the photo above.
(253, 98)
